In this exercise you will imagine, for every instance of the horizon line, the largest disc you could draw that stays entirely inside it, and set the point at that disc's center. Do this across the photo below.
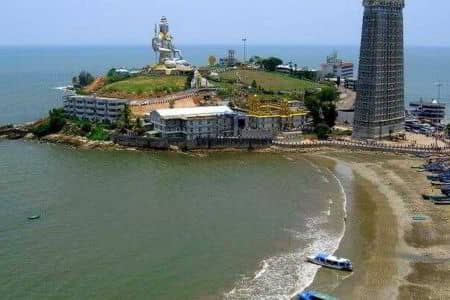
(207, 44)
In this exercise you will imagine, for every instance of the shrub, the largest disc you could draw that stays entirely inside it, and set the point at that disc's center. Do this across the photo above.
(322, 131)
(99, 134)
(55, 122)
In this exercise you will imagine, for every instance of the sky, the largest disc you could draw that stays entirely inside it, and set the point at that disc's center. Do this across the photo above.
(221, 22)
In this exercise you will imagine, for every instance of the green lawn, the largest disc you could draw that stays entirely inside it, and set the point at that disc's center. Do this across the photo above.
(146, 86)
(271, 81)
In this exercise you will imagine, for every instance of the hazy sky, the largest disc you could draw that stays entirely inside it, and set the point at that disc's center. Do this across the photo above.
(125, 22)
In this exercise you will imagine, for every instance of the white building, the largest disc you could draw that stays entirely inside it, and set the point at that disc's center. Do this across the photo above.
(94, 108)
(195, 122)
(337, 67)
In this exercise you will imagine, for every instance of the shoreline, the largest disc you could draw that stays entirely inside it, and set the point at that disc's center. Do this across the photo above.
(393, 257)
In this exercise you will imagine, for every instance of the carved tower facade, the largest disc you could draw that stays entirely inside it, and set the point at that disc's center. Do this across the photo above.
(380, 104)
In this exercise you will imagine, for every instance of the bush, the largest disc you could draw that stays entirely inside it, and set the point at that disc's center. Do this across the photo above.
(113, 76)
(42, 129)
(271, 63)
(86, 127)
(84, 79)
(99, 134)
(322, 131)
(53, 124)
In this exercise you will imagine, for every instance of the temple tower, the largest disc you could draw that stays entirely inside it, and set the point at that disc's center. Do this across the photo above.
(380, 104)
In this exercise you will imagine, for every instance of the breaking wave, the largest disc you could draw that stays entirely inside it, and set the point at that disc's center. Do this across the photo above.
(282, 276)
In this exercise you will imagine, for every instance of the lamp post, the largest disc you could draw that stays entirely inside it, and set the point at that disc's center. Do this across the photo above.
(245, 49)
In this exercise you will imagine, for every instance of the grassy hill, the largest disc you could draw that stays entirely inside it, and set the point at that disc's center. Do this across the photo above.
(144, 86)
(270, 81)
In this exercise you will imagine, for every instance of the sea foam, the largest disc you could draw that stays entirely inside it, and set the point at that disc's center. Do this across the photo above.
(282, 276)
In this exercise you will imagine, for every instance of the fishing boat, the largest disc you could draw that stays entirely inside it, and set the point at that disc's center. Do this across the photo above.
(36, 217)
(330, 261)
(313, 295)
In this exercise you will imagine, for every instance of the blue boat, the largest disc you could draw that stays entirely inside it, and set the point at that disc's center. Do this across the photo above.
(313, 295)
(330, 261)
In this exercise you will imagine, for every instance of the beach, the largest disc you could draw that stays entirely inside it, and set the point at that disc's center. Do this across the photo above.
(394, 257)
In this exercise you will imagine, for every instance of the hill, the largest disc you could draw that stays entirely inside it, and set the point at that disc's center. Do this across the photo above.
(269, 81)
(143, 87)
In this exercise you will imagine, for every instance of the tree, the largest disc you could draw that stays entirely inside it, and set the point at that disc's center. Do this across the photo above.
(54, 123)
(322, 131)
(328, 94)
(138, 123)
(330, 113)
(271, 63)
(85, 79)
(313, 106)
(125, 117)
(212, 60)
(322, 107)
(254, 84)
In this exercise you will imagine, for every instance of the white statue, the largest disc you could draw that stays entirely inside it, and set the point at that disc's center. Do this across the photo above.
(162, 43)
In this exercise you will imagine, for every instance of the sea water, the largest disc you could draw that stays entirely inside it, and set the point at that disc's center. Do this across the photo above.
(153, 225)
(162, 225)
(30, 76)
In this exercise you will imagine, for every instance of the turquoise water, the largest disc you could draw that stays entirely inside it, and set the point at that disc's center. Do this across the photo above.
(121, 225)
(29, 75)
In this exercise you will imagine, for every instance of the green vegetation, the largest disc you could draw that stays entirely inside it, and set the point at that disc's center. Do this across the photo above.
(84, 79)
(125, 118)
(98, 133)
(270, 64)
(322, 131)
(269, 81)
(113, 76)
(145, 86)
(54, 123)
(322, 109)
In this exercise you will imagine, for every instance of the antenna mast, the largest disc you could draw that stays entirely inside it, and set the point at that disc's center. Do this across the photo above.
(439, 86)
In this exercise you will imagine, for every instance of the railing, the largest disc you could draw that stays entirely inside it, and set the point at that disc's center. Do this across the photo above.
(364, 146)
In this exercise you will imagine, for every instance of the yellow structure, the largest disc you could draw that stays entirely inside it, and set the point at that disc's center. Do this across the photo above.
(275, 117)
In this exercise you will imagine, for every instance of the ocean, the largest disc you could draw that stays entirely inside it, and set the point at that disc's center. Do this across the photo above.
(30, 76)
(155, 225)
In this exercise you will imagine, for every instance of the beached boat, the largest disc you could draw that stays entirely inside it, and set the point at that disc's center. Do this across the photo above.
(313, 295)
(330, 261)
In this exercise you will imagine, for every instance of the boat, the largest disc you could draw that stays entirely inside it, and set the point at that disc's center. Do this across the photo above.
(36, 217)
(442, 202)
(436, 198)
(330, 261)
(313, 295)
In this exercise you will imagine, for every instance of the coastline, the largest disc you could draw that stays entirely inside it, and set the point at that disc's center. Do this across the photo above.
(394, 257)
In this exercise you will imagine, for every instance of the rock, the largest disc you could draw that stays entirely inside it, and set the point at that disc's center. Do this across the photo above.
(174, 148)
(29, 136)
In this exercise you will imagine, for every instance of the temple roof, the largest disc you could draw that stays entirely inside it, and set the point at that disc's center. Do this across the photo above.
(392, 3)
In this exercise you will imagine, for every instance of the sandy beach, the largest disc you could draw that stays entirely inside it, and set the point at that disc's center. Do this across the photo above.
(394, 256)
